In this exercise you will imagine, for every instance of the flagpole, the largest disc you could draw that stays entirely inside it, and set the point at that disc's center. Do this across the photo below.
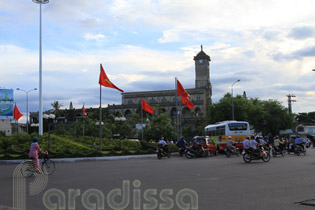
(177, 128)
(142, 119)
(100, 122)
(180, 117)
(83, 124)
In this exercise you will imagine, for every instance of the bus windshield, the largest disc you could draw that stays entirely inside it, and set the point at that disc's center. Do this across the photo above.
(238, 126)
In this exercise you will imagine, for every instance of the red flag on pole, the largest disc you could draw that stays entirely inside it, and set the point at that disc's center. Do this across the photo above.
(84, 110)
(16, 113)
(181, 91)
(105, 81)
(187, 102)
(146, 107)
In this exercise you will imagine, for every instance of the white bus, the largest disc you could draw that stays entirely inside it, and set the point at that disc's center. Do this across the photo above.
(220, 132)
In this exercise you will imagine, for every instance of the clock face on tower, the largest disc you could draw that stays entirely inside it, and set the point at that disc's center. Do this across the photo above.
(200, 61)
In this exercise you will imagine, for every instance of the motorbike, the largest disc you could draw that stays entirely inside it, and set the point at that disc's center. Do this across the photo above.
(299, 149)
(181, 150)
(191, 153)
(230, 151)
(249, 155)
(277, 151)
(163, 152)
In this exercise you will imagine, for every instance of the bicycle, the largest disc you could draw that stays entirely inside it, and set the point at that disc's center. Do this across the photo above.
(46, 165)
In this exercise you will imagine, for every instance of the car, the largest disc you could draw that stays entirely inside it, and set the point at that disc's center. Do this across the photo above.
(207, 143)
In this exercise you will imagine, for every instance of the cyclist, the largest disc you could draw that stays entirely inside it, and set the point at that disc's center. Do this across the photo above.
(34, 149)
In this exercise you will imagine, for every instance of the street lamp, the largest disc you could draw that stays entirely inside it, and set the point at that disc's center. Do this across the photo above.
(232, 99)
(26, 104)
(40, 128)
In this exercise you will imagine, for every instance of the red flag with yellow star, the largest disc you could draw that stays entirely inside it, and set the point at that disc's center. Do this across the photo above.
(105, 81)
(16, 113)
(146, 107)
(181, 90)
(187, 102)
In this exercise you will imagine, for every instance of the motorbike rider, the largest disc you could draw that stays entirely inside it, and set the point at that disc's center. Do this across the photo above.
(246, 143)
(196, 146)
(253, 146)
(163, 145)
(298, 142)
(276, 144)
(181, 142)
(230, 145)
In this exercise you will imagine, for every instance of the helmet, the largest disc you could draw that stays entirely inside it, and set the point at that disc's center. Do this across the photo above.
(35, 139)
(162, 138)
(230, 137)
(247, 137)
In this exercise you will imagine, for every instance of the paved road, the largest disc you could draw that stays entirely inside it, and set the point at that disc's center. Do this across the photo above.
(216, 183)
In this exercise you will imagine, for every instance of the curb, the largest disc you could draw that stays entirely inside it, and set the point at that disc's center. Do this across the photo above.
(72, 160)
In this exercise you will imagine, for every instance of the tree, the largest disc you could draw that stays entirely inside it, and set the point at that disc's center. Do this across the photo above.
(159, 126)
(265, 116)
(56, 106)
(305, 118)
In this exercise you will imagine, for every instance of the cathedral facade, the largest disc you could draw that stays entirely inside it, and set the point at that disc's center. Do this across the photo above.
(165, 100)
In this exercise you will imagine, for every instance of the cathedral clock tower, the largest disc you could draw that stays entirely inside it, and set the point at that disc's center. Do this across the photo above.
(202, 74)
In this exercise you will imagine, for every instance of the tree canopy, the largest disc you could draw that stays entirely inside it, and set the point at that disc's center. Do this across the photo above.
(266, 116)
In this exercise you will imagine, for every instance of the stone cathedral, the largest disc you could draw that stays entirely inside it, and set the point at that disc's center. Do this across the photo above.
(165, 100)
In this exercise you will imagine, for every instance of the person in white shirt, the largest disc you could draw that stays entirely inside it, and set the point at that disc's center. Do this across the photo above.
(246, 143)
(253, 146)
(230, 144)
(162, 144)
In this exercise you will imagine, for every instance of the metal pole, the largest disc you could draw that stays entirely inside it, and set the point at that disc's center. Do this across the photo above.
(100, 122)
(26, 105)
(232, 105)
(142, 121)
(177, 121)
(100, 129)
(40, 128)
(232, 99)
(27, 112)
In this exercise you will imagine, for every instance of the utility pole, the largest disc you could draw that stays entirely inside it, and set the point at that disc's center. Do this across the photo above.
(290, 96)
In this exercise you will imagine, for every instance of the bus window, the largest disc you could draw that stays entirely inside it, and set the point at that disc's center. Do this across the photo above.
(238, 126)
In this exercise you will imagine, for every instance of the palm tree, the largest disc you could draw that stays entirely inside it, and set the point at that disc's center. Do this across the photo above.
(56, 105)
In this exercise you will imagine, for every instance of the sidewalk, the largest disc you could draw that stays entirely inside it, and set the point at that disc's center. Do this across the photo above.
(71, 160)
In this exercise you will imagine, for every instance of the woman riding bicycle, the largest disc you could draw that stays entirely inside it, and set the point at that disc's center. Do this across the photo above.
(34, 153)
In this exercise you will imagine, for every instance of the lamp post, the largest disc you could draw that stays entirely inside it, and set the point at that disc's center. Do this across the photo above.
(100, 125)
(26, 104)
(40, 128)
(232, 99)
(120, 119)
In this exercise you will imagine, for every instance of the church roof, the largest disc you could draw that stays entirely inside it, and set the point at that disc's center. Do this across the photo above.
(202, 55)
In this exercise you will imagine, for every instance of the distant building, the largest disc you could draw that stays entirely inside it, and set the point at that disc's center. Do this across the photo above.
(164, 100)
(6, 127)
(306, 131)
(161, 100)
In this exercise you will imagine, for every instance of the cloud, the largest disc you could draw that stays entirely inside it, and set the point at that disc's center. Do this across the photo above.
(302, 32)
(96, 37)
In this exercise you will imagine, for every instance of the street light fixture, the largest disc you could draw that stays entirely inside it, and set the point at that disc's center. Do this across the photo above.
(232, 98)
(40, 128)
(26, 104)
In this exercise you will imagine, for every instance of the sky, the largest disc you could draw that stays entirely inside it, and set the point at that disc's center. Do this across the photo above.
(144, 44)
